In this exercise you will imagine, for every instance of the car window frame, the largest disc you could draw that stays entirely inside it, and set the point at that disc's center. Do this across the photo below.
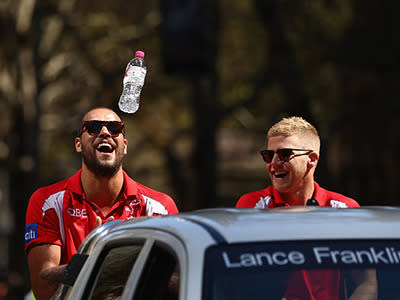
(99, 269)
(166, 240)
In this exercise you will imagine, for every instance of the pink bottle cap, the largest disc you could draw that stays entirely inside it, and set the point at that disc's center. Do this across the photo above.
(139, 54)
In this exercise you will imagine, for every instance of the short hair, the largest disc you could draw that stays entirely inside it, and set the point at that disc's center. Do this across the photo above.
(297, 126)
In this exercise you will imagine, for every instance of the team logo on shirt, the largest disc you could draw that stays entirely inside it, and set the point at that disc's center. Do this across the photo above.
(263, 203)
(132, 208)
(31, 232)
(135, 204)
(338, 204)
(77, 212)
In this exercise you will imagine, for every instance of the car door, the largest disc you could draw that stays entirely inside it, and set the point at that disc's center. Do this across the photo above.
(133, 264)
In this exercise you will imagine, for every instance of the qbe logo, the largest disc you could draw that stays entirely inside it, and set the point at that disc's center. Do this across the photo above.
(31, 232)
(77, 212)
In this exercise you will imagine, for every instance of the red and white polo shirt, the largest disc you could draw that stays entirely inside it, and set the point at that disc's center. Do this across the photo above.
(302, 284)
(60, 214)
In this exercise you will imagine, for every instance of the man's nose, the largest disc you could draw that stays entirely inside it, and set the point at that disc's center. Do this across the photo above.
(104, 131)
(276, 159)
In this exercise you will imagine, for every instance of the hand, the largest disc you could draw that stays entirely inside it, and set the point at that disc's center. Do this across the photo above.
(99, 221)
(366, 285)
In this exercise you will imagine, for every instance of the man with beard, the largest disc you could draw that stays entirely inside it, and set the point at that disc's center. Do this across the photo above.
(291, 157)
(61, 215)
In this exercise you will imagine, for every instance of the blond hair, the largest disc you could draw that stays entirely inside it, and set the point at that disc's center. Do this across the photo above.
(307, 133)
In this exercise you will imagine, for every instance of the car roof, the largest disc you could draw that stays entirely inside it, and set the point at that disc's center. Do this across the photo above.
(233, 225)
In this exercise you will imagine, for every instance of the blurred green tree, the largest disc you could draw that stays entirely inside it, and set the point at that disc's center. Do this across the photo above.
(242, 65)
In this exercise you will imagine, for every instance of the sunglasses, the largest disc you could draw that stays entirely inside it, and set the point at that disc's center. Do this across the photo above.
(284, 154)
(94, 127)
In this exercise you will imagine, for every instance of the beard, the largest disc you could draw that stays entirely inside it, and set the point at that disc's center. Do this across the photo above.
(102, 168)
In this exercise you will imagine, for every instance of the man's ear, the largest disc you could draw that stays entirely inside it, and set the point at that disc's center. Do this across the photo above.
(78, 145)
(125, 146)
(313, 159)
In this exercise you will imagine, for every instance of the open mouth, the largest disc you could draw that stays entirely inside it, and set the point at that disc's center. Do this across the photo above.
(279, 174)
(105, 148)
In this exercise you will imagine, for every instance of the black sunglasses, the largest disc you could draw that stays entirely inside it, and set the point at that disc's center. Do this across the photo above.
(284, 154)
(94, 127)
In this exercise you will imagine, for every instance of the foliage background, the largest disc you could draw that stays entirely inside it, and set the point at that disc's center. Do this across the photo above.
(219, 74)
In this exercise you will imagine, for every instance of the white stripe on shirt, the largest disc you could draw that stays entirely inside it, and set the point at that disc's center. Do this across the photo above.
(55, 201)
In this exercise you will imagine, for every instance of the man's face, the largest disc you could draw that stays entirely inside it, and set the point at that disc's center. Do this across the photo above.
(288, 176)
(102, 153)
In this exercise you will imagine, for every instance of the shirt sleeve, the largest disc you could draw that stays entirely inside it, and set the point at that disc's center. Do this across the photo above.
(242, 202)
(41, 226)
(160, 205)
(248, 200)
(171, 206)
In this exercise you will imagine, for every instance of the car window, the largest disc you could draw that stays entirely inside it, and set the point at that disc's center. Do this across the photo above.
(160, 277)
(292, 270)
(113, 272)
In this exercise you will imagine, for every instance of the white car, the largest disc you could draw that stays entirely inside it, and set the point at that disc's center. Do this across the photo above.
(218, 254)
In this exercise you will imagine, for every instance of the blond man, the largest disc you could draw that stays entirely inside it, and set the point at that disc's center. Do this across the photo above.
(291, 157)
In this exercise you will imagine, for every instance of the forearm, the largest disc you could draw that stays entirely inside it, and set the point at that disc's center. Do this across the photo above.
(53, 276)
(366, 285)
(46, 286)
(365, 291)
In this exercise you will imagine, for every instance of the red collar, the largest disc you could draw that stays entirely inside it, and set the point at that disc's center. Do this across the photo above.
(319, 195)
(130, 186)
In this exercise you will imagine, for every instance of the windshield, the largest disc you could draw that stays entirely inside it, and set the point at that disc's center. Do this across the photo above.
(303, 270)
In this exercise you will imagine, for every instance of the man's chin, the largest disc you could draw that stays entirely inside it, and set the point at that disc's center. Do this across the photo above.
(281, 188)
(106, 172)
(105, 157)
(104, 168)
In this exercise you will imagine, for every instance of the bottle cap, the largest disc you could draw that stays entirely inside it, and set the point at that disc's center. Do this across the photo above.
(139, 54)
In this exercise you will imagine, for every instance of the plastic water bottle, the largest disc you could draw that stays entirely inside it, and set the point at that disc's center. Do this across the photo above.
(133, 82)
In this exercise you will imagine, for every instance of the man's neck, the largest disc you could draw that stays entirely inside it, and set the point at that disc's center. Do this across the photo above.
(103, 191)
(299, 197)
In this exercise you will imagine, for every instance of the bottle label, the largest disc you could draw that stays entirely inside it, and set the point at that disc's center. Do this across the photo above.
(135, 74)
